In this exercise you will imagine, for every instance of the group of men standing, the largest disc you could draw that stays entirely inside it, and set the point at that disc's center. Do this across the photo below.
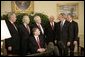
(36, 38)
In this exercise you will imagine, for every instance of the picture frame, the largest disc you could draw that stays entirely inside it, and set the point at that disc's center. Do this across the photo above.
(66, 8)
(22, 6)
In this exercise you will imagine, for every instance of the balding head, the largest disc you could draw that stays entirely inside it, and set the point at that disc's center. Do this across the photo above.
(37, 19)
(51, 18)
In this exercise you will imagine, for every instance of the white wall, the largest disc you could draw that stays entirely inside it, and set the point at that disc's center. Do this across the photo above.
(49, 8)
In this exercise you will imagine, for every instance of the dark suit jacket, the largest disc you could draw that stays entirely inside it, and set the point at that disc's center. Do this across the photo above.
(74, 30)
(24, 33)
(63, 35)
(14, 41)
(35, 25)
(33, 44)
(24, 37)
(50, 33)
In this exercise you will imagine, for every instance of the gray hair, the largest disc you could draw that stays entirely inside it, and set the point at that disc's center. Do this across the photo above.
(36, 17)
(10, 13)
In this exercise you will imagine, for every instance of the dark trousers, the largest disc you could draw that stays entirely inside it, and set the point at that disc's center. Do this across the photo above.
(63, 49)
(15, 46)
(24, 47)
(50, 50)
(72, 49)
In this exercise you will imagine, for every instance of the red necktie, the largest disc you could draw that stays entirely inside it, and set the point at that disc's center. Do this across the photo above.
(38, 42)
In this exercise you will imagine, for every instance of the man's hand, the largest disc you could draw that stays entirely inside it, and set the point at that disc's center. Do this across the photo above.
(75, 42)
(55, 41)
(41, 50)
(68, 43)
(10, 48)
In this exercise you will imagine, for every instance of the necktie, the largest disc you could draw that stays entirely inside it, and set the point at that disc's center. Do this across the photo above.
(52, 26)
(14, 26)
(38, 42)
(28, 28)
(61, 25)
(41, 28)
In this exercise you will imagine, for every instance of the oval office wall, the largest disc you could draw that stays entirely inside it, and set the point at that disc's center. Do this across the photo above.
(42, 7)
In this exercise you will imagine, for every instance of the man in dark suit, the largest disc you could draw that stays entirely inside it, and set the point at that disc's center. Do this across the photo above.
(50, 30)
(24, 31)
(13, 43)
(74, 33)
(38, 24)
(63, 34)
(37, 45)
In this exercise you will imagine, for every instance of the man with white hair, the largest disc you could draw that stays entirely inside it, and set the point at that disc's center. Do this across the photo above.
(24, 31)
(13, 28)
(38, 24)
(51, 30)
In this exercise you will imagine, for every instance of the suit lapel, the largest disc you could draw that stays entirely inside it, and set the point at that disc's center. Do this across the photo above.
(25, 28)
(13, 26)
(64, 25)
(51, 27)
(35, 41)
(39, 28)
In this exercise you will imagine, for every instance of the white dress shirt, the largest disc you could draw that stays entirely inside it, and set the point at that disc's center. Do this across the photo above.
(41, 28)
(14, 25)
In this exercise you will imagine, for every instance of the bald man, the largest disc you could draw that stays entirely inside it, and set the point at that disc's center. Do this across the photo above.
(50, 30)
(38, 24)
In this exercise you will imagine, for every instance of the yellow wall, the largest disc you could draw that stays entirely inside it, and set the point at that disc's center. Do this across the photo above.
(49, 8)
(5, 7)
